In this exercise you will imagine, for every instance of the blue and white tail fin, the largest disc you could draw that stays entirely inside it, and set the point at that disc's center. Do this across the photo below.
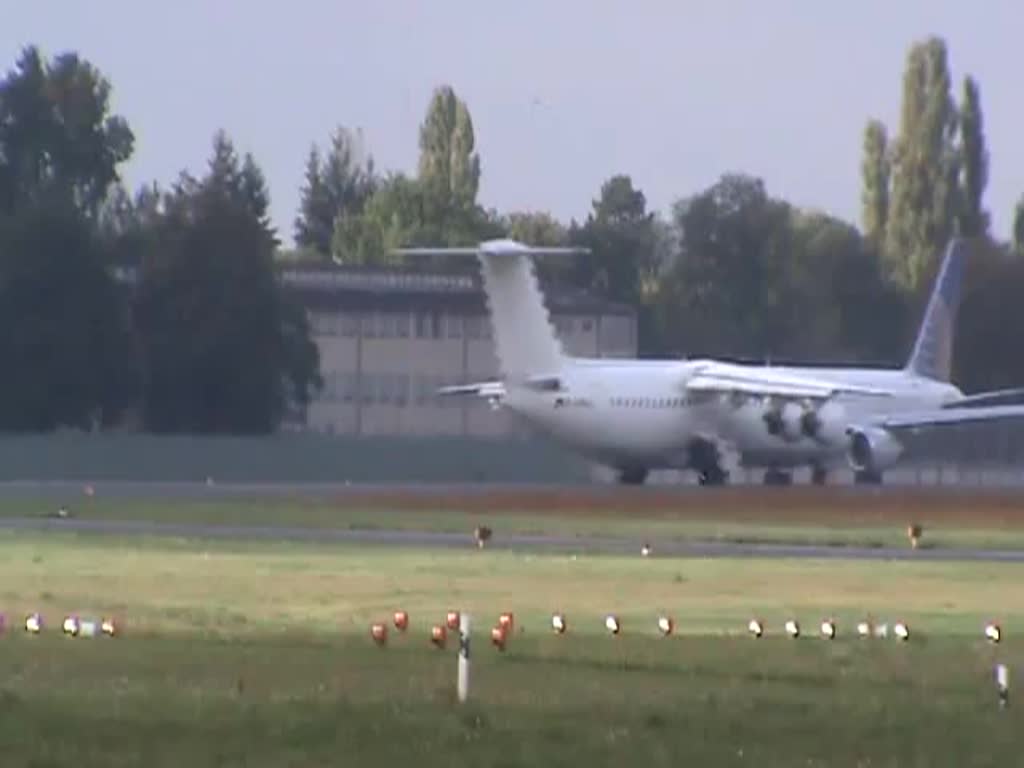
(932, 356)
(523, 333)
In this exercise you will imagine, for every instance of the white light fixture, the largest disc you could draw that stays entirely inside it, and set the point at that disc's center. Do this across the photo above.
(71, 626)
(611, 623)
(901, 630)
(558, 623)
(755, 627)
(666, 625)
(864, 629)
(993, 632)
(828, 629)
(34, 624)
(792, 628)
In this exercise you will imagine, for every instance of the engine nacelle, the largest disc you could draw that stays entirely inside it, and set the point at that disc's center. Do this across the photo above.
(785, 421)
(873, 450)
(826, 424)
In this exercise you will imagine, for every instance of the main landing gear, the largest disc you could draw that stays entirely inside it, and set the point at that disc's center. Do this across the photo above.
(706, 461)
(778, 477)
(867, 477)
(633, 476)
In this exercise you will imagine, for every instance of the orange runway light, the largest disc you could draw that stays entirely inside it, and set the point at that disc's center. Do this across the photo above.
(507, 621)
(498, 637)
(452, 620)
(401, 621)
(438, 635)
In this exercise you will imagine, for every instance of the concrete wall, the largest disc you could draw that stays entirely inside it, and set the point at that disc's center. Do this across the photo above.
(287, 458)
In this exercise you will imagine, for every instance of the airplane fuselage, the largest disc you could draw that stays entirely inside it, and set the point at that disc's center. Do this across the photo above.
(637, 413)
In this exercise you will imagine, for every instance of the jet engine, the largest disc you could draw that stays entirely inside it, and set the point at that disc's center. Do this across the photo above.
(784, 421)
(826, 424)
(872, 450)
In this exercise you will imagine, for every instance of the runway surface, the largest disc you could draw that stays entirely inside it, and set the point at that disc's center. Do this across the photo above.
(518, 542)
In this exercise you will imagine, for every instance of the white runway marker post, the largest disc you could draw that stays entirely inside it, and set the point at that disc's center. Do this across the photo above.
(463, 682)
(1003, 685)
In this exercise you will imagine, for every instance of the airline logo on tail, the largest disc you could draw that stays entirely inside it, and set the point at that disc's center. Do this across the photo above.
(932, 356)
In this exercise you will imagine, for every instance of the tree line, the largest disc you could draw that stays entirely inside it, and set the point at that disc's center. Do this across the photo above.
(164, 305)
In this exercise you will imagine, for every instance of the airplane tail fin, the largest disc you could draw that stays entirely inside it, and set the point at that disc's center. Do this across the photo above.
(523, 333)
(932, 355)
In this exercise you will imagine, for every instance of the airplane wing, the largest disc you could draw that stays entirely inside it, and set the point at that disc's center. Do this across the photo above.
(986, 399)
(916, 421)
(492, 390)
(879, 443)
(724, 379)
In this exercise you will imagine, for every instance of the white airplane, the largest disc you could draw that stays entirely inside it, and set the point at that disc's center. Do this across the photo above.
(637, 415)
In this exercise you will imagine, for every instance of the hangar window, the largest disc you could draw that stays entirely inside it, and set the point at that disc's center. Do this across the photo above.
(454, 323)
(369, 326)
(401, 389)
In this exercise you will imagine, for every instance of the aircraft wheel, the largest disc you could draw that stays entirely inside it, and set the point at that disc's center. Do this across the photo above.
(633, 476)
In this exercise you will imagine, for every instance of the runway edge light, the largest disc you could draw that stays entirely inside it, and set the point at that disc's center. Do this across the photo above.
(611, 623)
(666, 625)
(755, 627)
(901, 630)
(558, 624)
(379, 633)
(828, 629)
(401, 619)
(993, 632)
(864, 629)
(498, 637)
(439, 635)
(33, 623)
(793, 628)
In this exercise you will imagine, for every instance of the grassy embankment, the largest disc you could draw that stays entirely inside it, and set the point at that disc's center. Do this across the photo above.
(258, 654)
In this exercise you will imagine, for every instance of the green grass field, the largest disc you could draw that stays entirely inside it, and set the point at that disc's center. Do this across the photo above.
(861, 530)
(258, 654)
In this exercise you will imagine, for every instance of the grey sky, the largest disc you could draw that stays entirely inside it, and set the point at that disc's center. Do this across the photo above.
(563, 93)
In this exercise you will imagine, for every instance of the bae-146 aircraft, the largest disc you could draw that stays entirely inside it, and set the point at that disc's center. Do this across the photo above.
(637, 415)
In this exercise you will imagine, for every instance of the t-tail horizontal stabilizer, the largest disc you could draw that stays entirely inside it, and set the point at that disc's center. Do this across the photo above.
(501, 247)
(524, 338)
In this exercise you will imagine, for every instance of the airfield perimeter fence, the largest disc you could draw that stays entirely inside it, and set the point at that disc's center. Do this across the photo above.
(964, 460)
